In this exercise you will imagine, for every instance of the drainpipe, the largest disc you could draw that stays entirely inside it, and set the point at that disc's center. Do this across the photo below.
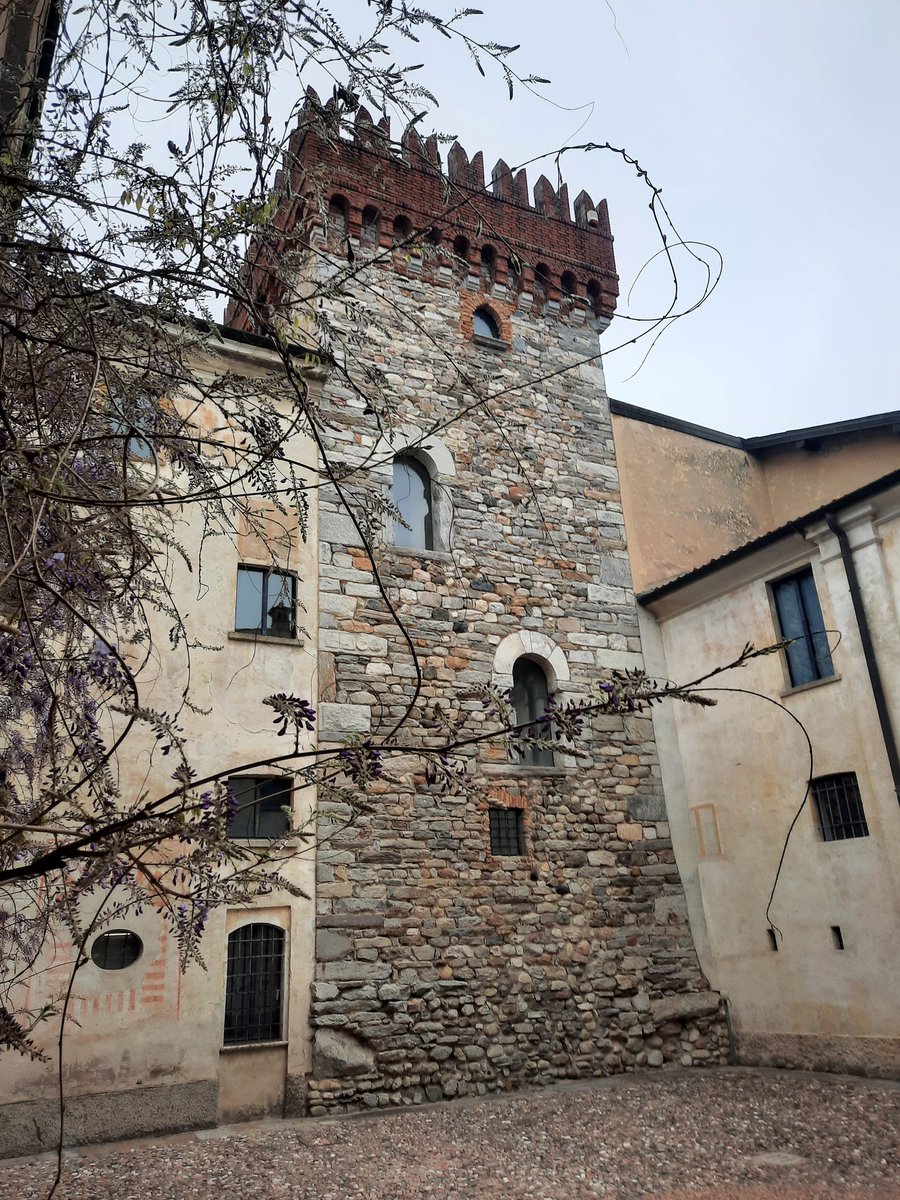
(865, 637)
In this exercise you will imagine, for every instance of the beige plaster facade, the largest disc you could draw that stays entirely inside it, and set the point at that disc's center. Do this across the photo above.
(143, 1051)
(735, 775)
(692, 494)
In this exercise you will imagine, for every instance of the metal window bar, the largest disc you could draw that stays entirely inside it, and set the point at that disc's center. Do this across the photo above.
(839, 807)
(116, 950)
(505, 825)
(254, 985)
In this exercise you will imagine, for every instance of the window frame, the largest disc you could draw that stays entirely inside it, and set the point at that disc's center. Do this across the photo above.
(135, 434)
(529, 756)
(256, 806)
(429, 530)
(120, 938)
(483, 313)
(243, 1024)
(838, 794)
(267, 573)
(805, 664)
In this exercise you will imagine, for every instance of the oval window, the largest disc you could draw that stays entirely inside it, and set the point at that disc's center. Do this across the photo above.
(116, 950)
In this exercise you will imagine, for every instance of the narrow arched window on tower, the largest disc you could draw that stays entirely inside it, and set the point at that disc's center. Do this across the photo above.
(411, 493)
(371, 221)
(484, 324)
(402, 229)
(530, 695)
(337, 218)
(488, 265)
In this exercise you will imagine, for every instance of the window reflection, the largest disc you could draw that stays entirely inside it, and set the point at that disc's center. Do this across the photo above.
(411, 494)
(530, 695)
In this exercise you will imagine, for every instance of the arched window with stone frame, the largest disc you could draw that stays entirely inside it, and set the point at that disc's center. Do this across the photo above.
(412, 496)
(533, 668)
(530, 696)
(421, 475)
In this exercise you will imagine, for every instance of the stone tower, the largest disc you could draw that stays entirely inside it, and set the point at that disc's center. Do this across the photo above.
(533, 926)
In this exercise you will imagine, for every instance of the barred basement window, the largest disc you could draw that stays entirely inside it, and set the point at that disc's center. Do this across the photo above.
(116, 950)
(839, 807)
(507, 833)
(266, 602)
(254, 985)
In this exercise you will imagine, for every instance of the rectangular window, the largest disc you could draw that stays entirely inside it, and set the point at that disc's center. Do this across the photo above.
(839, 807)
(801, 624)
(259, 803)
(507, 834)
(266, 602)
(129, 420)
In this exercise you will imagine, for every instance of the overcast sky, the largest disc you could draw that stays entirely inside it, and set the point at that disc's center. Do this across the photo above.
(771, 127)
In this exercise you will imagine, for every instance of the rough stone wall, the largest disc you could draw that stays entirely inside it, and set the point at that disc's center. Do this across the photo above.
(443, 970)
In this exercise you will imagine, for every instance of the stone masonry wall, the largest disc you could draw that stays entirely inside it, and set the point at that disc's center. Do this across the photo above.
(443, 970)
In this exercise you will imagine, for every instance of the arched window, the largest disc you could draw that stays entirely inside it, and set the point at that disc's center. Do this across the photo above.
(484, 323)
(371, 226)
(542, 280)
(253, 989)
(411, 493)
(568, 284)
(488, 264)
(402, 229)
(594, 294)
(530, 694)
(337, 217)
(461, 254)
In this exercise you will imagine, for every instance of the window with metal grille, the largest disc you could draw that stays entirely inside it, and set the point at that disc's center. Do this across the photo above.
(254, 984)
(530, 696)
(801, 623)
(266, 602)
(507, 834)
(259, 803)
(116, 950)
(839, 807)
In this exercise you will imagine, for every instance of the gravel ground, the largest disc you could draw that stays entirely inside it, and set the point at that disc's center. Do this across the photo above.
(696, 1135)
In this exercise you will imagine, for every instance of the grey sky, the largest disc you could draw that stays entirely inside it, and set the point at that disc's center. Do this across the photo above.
(771, 128)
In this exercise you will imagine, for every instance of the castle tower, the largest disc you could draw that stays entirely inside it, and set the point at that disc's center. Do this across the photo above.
(530, 926)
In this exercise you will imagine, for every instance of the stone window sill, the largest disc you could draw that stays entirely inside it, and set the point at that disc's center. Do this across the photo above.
(806, 687)
(489, 343)
(239, 1046)
(246, 635)
(535, 772)
(444, 556)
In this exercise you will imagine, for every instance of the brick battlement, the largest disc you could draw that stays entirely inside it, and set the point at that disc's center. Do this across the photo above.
(383, 195)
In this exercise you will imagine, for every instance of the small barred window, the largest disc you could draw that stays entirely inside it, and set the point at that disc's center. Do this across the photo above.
(506, 830)
(839, 807)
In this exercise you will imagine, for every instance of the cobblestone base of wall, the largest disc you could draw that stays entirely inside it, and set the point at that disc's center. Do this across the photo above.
(877, 1058)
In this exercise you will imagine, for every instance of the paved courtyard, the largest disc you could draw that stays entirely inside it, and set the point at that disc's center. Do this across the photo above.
(733, 1133)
